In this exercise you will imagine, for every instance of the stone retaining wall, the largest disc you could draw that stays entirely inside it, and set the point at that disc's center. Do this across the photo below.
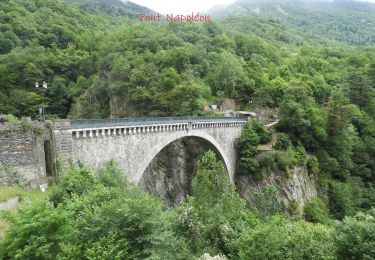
(22, 155)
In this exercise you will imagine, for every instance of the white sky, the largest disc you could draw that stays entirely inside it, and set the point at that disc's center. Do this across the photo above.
(181, 6)
(186, 6)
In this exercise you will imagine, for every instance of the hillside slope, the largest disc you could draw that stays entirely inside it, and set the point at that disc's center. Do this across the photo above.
(338, 22)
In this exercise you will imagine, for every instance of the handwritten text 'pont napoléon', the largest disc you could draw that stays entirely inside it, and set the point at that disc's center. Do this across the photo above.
(194, 17)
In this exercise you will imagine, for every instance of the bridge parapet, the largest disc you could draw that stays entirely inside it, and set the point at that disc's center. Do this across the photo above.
(94, 123)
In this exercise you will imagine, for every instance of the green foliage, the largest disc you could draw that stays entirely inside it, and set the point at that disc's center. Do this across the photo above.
(10, 118)
(94, 217)
(283, 142)
(76, 181)
(214, 218)
(38, 232)
(246, 147)
(322, 22)
(112, 176)
(341, 200)
(355, 237)
(280, 239)
(312, 165)
(264, 135)
(316, 211)
(281, 161)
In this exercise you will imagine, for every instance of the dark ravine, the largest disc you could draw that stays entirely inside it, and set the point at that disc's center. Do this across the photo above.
(171, 172)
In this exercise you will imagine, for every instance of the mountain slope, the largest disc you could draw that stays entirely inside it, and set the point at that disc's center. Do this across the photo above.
(337, 22)
(110, 7)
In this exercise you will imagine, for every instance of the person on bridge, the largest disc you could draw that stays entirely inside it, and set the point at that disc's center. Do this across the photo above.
(2, 120)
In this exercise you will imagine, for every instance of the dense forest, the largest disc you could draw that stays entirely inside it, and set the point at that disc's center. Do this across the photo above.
(312, 62)
(337, 22)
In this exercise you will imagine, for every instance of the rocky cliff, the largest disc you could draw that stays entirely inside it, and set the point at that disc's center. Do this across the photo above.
(298, 188)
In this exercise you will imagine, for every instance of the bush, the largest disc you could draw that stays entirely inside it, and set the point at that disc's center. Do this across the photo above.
(74, 182)
(299, 153)
(355, 237)
(280, 161)
(268, 160)
(283, 142)
(340, 199)
(265, 136)
(215, 217)
(249, 166)
(316, 211)
(95, 221)
(38, 232)
(10, 118)
(281, 239)
(312, 165)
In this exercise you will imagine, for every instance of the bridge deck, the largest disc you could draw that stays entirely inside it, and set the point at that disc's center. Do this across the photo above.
(93, 123)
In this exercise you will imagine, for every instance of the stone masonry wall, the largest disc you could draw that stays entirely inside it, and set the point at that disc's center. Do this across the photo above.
(22, 153)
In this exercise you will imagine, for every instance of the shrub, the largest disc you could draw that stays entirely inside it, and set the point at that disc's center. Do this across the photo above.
(74, 182)
(249, 166)
(316, 211)
(283, 142)
(340, 199)
(38, 232)
(215, 217)
(355, 237)
(264, 135)
(10, 118)
(268, 160)
(281, 239)
(280, 161)
(96, 221)
(312, 165)
(299, 153)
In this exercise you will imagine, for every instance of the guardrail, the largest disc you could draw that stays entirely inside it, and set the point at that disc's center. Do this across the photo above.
(90, 123)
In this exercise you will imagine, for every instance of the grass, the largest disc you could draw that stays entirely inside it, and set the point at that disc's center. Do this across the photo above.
(4, 225)
(9, 192)
(34, 195)
(26, 196)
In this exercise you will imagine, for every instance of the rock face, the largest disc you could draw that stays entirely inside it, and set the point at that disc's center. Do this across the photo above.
(299, 187)
(171, 172)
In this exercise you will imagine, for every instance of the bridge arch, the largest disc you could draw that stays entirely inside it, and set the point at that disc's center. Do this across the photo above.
(156, 149)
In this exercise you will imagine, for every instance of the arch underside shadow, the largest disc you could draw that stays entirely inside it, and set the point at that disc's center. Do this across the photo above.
(170, 139)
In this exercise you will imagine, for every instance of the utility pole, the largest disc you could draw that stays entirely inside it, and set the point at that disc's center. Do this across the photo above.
(41, 109)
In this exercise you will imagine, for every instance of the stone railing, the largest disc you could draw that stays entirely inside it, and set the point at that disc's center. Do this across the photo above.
(93, 123)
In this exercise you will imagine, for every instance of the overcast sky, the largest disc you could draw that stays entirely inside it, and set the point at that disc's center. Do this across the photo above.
(186, 6)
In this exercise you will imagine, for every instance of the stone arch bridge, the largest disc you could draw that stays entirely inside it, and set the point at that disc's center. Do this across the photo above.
(134, 142)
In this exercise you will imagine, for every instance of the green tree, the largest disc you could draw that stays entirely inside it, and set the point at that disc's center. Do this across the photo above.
(215, 216)
(355, 237)
(281, 239)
